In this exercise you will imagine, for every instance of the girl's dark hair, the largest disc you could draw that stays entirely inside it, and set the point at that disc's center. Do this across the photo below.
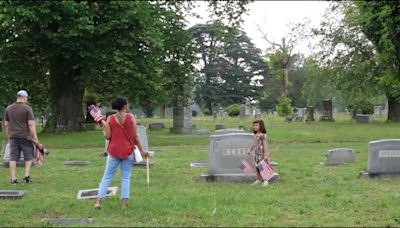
(119, 103)
(262, 126)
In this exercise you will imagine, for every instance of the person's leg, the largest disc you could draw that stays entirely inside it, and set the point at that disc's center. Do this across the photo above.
(14, 152)
(126, 168)
(28, 150)
(111, 166)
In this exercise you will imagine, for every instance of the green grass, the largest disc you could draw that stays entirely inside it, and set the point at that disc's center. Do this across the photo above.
(307, 194)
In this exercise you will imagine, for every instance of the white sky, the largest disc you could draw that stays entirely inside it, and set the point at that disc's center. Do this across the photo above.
(274, 17)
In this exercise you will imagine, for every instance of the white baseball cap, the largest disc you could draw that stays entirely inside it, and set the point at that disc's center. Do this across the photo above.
(22, 93)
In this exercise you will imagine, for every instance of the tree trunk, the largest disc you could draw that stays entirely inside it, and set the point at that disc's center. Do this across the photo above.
(162, 111)
(66, 98)
(394, 109)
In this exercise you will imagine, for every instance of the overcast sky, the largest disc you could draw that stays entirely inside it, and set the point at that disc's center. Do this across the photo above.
(274, 18)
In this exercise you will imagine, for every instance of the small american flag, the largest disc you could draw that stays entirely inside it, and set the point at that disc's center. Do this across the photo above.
(95, 113)
(246, 167)
(265, 170)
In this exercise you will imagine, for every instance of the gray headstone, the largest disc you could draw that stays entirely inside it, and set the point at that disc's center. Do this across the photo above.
(156, 126)
(67, 221)
(219, 127)
(340, 156)
(227, 151)
(384, 156)
(228, 131)
(76, 163)
(327, 114)
(92, 193)
(6, 156)
(11, 194)
(242, 112)
(361, 118)
(203, 132)
(182, 121)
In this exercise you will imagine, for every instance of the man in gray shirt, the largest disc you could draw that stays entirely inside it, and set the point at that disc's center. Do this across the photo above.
(20, 130)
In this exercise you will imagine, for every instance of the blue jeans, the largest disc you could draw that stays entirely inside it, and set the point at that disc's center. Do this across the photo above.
(111, 167)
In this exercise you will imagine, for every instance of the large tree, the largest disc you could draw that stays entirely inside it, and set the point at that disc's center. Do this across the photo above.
(230, 62)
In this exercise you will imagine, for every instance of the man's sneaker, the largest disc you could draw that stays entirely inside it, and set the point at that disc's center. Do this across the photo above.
(265, 183)
(14, 182)
(256, 182)
(27, 180)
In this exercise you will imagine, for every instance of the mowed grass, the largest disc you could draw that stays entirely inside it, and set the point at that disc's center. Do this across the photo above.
(306, 195)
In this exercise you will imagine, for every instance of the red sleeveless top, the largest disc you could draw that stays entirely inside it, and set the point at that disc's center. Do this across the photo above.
(120, 146)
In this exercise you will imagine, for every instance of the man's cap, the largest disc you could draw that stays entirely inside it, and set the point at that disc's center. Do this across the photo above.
(22, 93)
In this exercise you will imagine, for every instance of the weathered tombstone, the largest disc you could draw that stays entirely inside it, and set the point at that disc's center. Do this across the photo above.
(340, 156)
(225, 154)
(76, 163)
(219, 127)
(11, 194)
(69, 221)
(241, 127)
(203, 132)
(182, 121)
(92, 193)
(310, 114)
(242, 112)
(6, 156)
(327, 112)
(228, 130)
(362, 118)
(156, 126)
(384, 158)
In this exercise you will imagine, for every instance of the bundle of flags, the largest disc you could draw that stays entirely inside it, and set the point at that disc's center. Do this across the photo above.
(265, 170)
(40, 153)
(96, 113)
(246, 167)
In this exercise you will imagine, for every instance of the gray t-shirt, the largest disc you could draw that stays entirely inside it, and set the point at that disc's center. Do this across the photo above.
(18, 115)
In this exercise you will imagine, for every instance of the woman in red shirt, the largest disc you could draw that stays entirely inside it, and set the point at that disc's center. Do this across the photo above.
(120, 129)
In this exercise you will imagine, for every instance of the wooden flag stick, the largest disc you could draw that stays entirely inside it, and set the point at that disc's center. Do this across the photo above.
(148, 171)
(276, 149)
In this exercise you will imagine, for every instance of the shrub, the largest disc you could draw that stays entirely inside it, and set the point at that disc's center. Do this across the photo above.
(284, 106)
(233, 110)
(206, 112)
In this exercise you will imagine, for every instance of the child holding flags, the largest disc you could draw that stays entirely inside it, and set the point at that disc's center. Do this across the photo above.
(261, 153)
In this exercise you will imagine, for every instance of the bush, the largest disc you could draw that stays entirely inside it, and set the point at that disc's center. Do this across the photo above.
(233, 110)
(206, 112)
(284, 106)
(365, 106)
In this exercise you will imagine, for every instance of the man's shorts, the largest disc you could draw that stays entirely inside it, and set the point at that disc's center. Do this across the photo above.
(20, 144)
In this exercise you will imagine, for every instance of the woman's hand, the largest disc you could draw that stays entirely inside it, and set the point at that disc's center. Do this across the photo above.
(145, 154)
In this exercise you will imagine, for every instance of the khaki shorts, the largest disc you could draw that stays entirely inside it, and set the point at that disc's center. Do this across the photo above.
(20, 144)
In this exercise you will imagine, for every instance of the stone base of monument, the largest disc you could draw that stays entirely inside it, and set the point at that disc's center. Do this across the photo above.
(365, 174)
(11, 194)
(182, 130)
(233, 178)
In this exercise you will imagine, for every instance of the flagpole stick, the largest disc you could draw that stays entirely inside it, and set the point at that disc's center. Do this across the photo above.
(148, 172)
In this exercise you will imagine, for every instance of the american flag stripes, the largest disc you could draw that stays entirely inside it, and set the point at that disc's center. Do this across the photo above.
(95, 113)
(265, 170)
(246, 167)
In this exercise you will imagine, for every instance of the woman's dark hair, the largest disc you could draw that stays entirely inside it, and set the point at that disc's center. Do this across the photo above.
(262, 126)
(119, 103)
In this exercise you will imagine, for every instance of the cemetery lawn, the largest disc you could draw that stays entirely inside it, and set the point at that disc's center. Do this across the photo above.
(306, 195)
